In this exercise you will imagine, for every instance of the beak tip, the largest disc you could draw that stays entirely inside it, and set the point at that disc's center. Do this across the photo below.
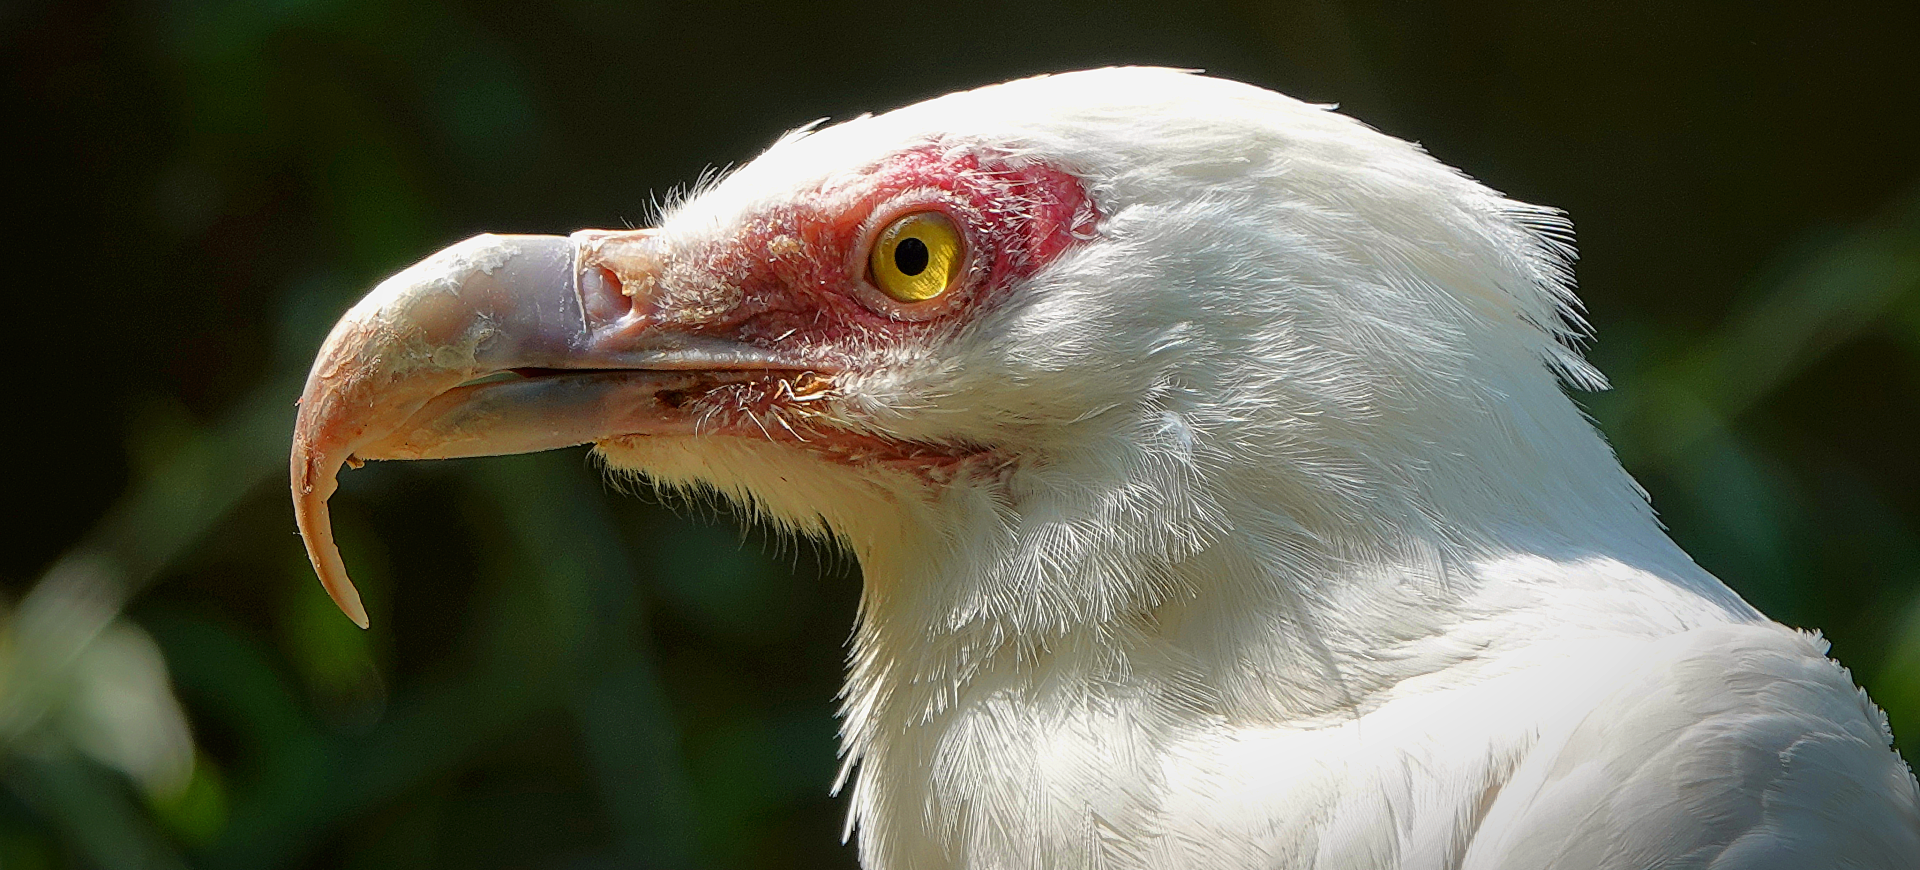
(347, 599)
(316, 531)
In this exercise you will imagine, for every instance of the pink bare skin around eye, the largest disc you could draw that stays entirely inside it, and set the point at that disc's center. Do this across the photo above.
(800, 271)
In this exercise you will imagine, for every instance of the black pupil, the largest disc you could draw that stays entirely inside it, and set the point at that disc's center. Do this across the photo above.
(910, 256)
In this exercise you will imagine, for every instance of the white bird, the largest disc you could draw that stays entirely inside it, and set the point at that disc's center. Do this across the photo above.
(1208, 463)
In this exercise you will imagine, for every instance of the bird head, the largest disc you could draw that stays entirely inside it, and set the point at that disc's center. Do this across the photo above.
(1027, 350)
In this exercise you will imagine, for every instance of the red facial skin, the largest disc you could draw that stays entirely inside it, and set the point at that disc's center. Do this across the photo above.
(797, 277)
(801, 271)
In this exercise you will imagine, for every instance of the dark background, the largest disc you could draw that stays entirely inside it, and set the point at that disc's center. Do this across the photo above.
(561, 675)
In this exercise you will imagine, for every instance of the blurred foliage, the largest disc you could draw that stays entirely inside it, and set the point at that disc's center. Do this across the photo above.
(573, 677)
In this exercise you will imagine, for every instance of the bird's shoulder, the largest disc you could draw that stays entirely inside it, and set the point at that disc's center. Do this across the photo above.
(1728, 746)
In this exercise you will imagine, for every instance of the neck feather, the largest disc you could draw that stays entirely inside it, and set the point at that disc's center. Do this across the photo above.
(1246, 595)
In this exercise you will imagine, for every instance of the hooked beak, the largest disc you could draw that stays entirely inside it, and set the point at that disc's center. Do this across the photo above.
(498, 345)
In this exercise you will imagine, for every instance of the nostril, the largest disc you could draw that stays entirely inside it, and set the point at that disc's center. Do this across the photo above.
(616, 272)
(628, 295)
(604, 295)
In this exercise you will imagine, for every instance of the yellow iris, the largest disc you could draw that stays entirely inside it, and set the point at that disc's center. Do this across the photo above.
(918, 257)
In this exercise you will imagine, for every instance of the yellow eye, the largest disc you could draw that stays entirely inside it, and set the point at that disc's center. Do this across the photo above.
(918, 257)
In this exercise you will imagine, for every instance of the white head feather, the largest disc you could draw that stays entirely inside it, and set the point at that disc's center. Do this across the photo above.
(1275, 425)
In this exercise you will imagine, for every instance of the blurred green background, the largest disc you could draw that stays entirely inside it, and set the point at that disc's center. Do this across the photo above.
(562, 675)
